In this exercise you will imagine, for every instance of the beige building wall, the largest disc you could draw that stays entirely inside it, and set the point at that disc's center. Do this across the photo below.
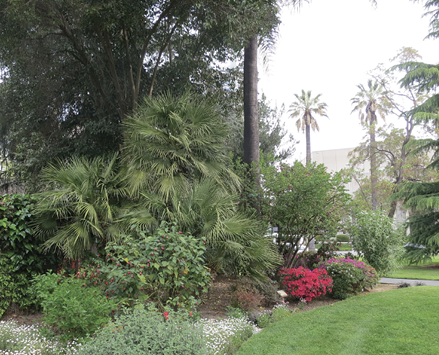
(338, 159)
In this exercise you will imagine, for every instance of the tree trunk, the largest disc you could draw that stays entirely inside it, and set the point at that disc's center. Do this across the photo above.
(308, 144)
(373, 163)
(251, 121)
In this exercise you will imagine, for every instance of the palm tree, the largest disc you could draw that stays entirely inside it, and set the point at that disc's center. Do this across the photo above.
(372, 99)
(206, 210)
(175, 150)
(170, 142)
(81, 205)
(305, 106)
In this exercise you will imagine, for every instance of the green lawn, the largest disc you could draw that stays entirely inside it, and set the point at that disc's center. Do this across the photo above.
(343, 246)
(402, 321)
(418, 271)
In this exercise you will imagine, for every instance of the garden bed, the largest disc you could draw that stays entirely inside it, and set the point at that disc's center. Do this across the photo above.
(214, 305)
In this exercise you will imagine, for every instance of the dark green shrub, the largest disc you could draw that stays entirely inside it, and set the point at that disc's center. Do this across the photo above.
(349, 277)
(14, 288)
(75, 310)
(21, 255)
(150, 333)
(320, 238)
(17, 242)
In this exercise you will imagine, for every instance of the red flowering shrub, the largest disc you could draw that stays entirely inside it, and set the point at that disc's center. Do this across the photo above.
(306, 284)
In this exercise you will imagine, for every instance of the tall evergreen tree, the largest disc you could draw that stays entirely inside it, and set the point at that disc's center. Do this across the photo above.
(423, 198)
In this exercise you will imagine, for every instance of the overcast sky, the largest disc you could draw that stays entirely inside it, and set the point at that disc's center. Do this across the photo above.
(328, 47)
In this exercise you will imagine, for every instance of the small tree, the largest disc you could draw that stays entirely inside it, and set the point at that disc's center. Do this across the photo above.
(375, 238)
(304, 201)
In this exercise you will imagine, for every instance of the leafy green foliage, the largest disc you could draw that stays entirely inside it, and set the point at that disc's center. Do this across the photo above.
(75, 310)
(304, 201)
(21, 254)
(142, 331)
(423, 238)
(176, 156)
(312, 259)
(166, 267)
(171, 141)
(342, 238)
(14, 287)
(81, 205)
(17, 242)
(349, 276)
(374, 237)
(108, 55)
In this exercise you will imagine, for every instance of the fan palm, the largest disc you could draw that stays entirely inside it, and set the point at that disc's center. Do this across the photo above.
(235, 242)
(306, 107)
(170, 142)
(372, 99)
(175, 153)
(82, 205)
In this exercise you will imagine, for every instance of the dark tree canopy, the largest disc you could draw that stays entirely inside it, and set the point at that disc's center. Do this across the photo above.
(73, 69)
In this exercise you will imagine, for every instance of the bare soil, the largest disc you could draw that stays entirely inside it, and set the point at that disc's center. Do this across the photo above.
(220, 296)
(214, 305)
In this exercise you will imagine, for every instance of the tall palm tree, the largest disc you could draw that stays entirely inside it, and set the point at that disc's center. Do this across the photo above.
(372, 100)
(306, 107)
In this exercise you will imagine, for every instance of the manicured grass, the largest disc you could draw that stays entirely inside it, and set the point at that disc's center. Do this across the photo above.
(419, 272)
(343, 246)
(402, 321)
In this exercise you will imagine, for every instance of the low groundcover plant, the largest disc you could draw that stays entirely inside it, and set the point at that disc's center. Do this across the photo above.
(225, 337)
(26, 339)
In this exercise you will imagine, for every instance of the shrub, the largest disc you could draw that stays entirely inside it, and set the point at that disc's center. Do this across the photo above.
(142, 331)
(306, 284)
(235, 312)
(20, 253)
(166, 266)
(247, 300)
(349, 276)
(305, 201)
(311, 259)
(269, 290)
(14, 287)
(75, 310)
(374, 237)
(18, 243)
